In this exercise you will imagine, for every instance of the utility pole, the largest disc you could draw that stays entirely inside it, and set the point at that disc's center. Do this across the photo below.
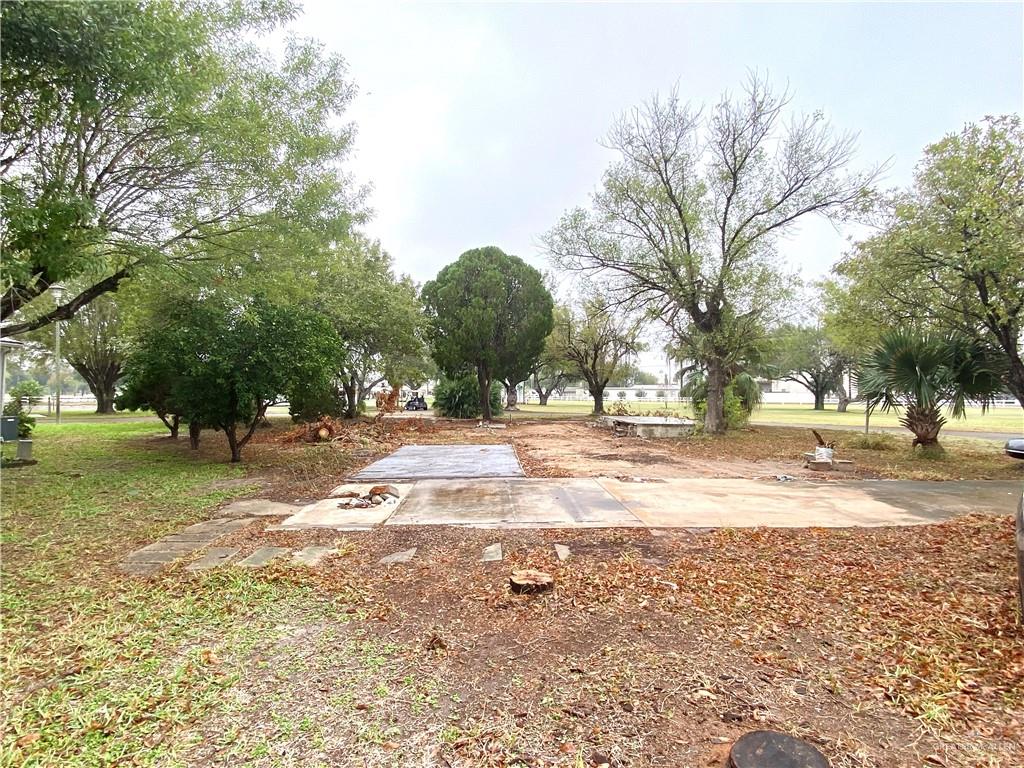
(57, 289)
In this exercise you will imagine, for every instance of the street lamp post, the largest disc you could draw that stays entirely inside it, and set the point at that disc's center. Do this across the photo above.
(57, 289)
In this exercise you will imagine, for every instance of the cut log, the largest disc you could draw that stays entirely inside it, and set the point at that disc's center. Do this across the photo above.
(529, 582)
(383, 490)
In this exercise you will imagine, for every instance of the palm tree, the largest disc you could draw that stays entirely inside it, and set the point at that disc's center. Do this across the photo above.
(922, 374)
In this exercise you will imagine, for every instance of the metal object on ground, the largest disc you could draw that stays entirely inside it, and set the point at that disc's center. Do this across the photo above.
(8, 428)
(771, 749)
(1015, 448)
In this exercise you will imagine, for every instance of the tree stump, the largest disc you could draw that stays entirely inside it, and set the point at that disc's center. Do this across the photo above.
(530, 582)
(771, 749)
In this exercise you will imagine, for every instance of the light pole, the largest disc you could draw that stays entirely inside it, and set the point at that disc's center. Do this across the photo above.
(57, 289)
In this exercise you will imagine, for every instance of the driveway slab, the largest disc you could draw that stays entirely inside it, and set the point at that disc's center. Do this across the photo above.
(513, 503)
(432, 462)
(716, 503)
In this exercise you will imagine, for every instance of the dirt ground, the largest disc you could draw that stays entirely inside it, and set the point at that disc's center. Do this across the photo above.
(653, 650)
(579, 448)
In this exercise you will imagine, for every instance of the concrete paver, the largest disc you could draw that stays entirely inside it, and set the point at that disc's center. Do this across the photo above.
(513, 503)
(416, 462)
(310, 555)
(491, 554)
(403, 556)
(213, 557)
(262, 557)
(258, 508)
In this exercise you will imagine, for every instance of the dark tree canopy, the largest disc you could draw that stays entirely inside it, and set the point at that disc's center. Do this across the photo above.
(488, 312)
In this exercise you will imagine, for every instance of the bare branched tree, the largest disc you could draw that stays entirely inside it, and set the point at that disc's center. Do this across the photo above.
(686, 223)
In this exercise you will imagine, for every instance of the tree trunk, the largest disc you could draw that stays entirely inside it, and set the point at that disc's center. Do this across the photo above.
(819, 400)
(194, 429)
(483, 377)
(511, 396)
(171, 423)
(543, 396)
(925, 423)
(351, 397)
(236, 449)
(1015, 378)
(714, 417)
(101, 379)
(844, 396)
(597, 392)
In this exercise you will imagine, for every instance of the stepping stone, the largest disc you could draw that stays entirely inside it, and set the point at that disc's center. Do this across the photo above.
(398, 557)
(562, 552)
(165, 545)
(491, 554)
(310, 555)
(258, 508)
(154, 556)
(261, 557)
(214, 556)
(140, 569)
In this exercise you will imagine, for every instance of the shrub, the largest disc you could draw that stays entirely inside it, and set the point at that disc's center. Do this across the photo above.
(641, 393)
(736, 415)
(621, 394)
(874, 441)
(24, 395)
(660, 394)
(308, 404)
(27, 394)
(460, 398)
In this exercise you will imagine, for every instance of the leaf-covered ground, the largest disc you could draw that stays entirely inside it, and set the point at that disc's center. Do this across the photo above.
(886, 647)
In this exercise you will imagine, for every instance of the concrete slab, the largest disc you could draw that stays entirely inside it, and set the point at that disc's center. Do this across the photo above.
(650, 426)
(491, 554)
(431, 462)
(140, 569)
(513, 503)
(154, 556)
(398, 557)
(328, 513)
(258, 508)
(213, 557)
(717, 503)
(310, 555)
(262, 556)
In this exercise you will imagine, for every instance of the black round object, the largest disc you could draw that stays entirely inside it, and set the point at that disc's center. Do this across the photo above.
(771, 749)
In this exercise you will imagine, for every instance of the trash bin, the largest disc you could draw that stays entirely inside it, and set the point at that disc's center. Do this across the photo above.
(8, 428)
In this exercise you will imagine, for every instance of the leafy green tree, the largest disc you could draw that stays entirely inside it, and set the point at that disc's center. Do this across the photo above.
(922, 374)
(598, 343)
(742, 396)
(490, 312)
(378, 317)
(142, 133)
(232, 358)
(949, 256)
(687, 220)
(805, 355)
(552, 368)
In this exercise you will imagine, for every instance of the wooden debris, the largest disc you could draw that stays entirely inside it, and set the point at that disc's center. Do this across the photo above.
(529, 582)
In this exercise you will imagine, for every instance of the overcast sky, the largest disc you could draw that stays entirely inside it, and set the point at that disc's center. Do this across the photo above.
(478, 124)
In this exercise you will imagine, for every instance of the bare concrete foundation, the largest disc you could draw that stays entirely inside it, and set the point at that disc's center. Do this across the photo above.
(650, 426)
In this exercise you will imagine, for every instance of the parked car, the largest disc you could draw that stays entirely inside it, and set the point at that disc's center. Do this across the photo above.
(1015, 448)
